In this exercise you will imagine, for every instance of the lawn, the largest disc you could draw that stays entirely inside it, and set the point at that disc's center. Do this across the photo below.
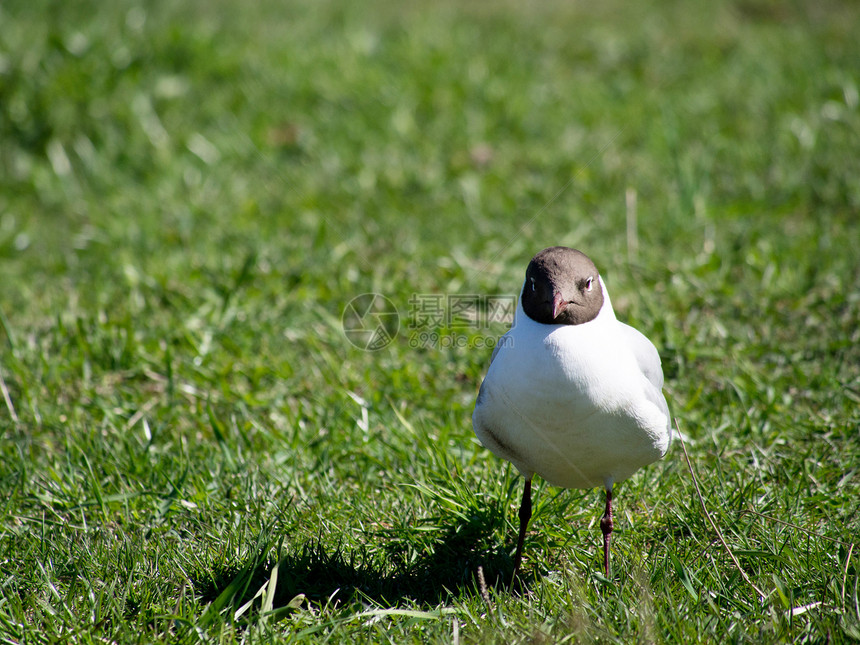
(197, 448)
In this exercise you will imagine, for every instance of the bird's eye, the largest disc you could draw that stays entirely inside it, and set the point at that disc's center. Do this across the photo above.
(589, 283)
(533, 283)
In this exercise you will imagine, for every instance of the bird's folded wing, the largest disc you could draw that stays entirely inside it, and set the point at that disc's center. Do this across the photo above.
(645, 353)
(497, 347)
(648, 360)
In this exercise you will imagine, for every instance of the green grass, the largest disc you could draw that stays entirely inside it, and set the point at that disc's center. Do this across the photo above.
(191, 193)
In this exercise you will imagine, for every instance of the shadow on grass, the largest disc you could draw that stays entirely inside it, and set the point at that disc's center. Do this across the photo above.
(423, 565)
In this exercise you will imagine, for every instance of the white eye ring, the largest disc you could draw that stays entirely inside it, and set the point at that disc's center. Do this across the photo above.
(589, 283)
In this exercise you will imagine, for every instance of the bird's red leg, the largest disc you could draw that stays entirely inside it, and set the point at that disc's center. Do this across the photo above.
(525, 516)
(606, 527)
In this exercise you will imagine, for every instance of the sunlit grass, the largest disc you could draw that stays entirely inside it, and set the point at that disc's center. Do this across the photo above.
(191, 195)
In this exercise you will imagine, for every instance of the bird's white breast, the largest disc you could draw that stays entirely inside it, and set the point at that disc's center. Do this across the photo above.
(571, 403)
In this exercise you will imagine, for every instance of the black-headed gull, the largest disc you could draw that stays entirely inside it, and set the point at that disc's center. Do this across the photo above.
(572, 394)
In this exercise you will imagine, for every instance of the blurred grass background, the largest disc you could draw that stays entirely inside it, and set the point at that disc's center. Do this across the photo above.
(191, 193)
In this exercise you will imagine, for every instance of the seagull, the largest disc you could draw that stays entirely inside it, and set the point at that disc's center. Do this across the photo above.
(571, 394)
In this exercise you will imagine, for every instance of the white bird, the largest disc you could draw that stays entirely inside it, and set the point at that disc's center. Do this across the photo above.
(571, 393)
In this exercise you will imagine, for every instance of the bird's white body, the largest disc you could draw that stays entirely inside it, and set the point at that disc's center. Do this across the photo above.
(580, 405)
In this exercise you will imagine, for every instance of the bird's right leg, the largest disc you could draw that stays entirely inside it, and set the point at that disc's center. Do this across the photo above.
(525, 516)
(606, 528)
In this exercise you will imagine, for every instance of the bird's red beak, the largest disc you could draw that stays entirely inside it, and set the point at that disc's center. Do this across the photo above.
(558, 304)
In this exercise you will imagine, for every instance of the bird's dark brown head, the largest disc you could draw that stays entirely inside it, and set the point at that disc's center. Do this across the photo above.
(562, 287)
